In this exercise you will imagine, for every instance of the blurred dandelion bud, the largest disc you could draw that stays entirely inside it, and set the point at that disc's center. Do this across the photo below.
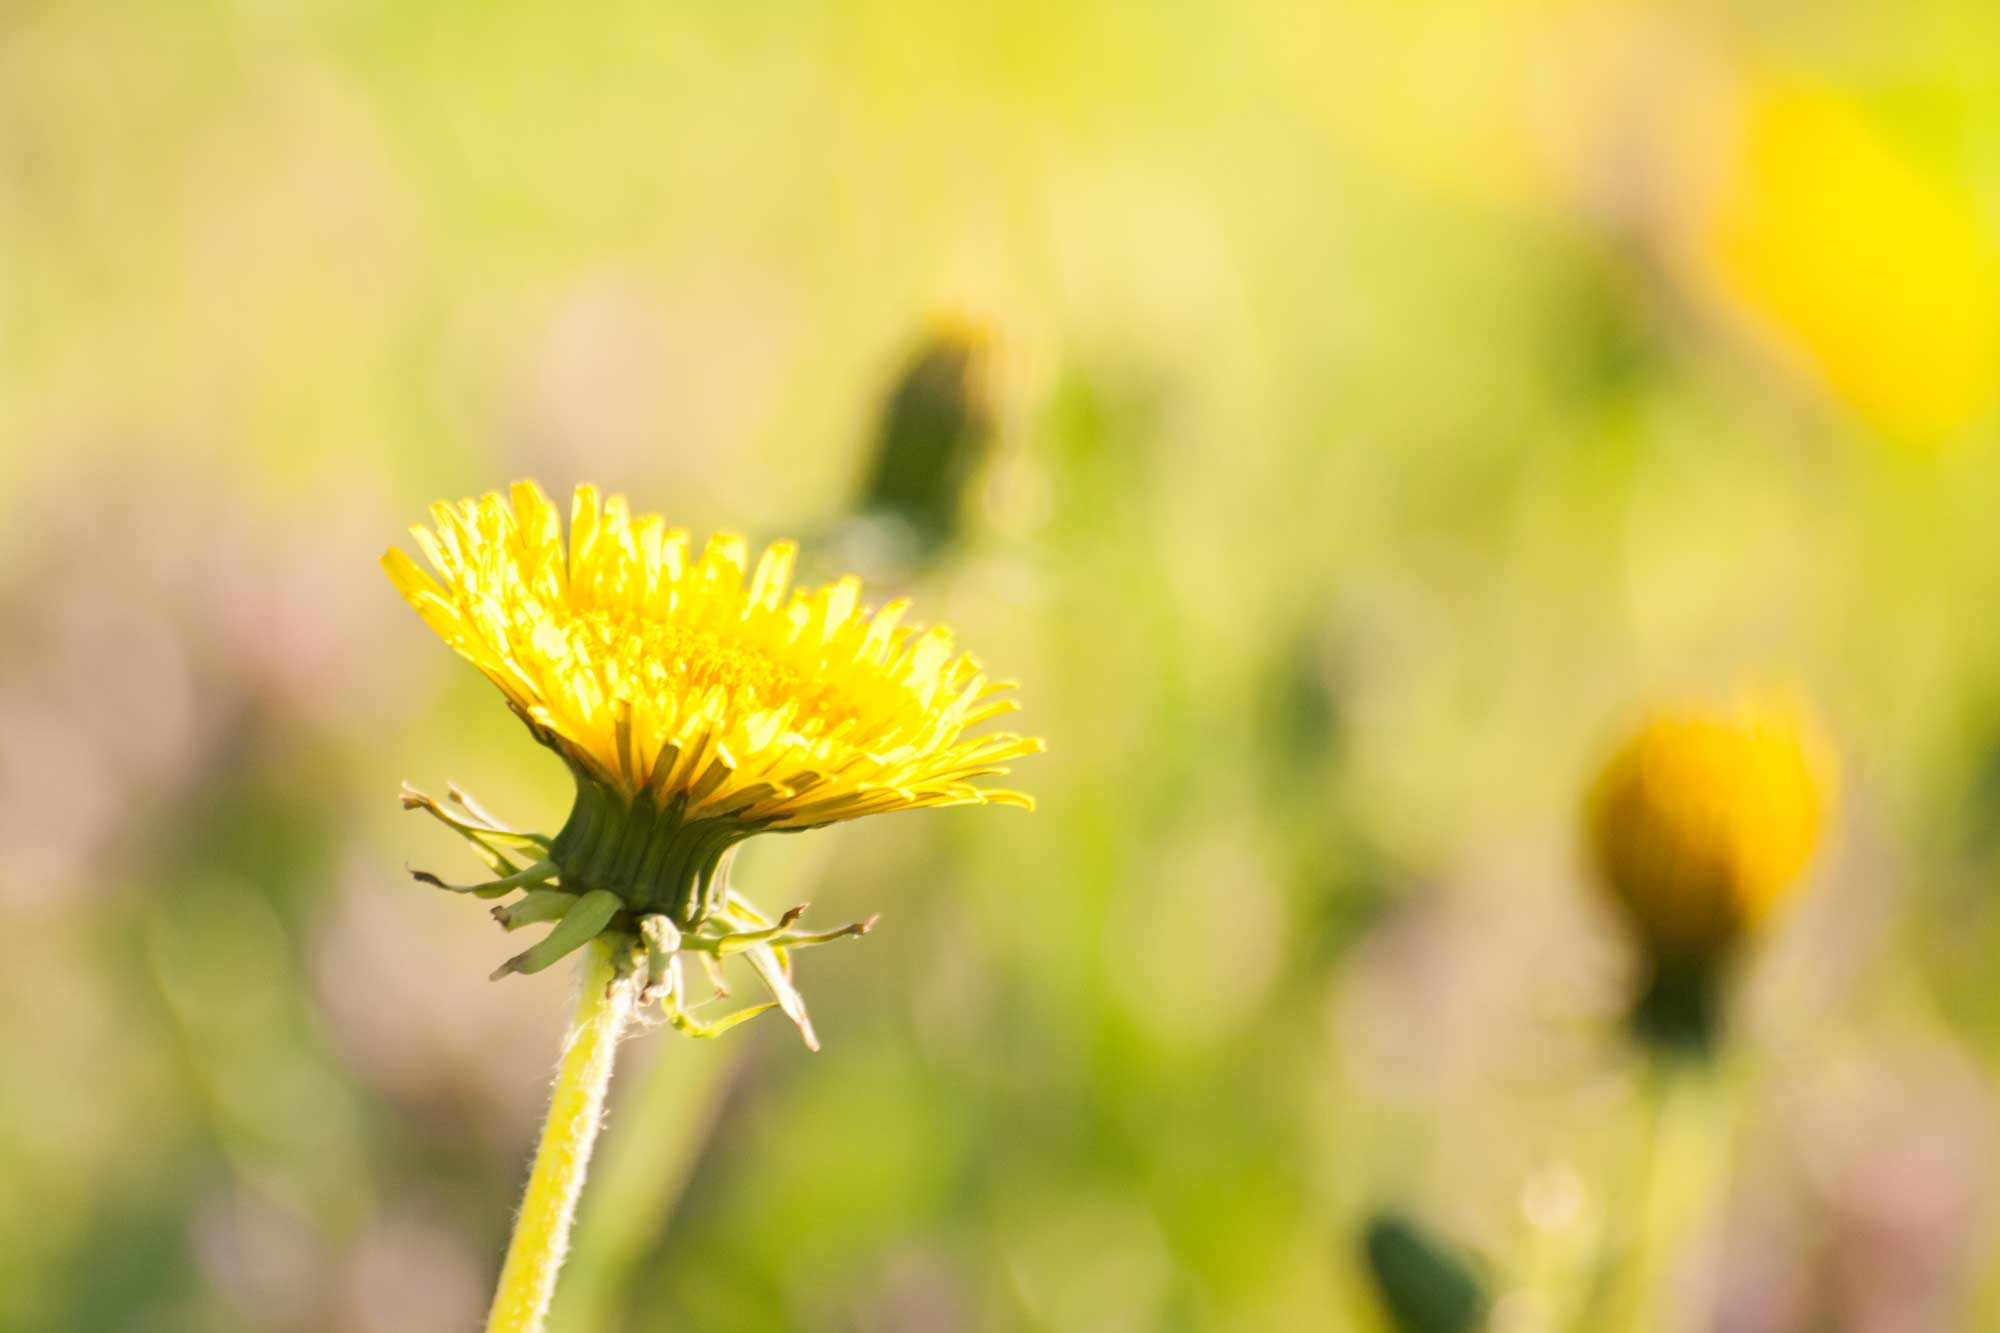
(935, 432)
(1423, 1285)
(1700, 825)
(1805, 225)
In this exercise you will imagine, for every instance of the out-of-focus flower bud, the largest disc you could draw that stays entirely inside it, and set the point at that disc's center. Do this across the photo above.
(1424, 1287)
(936, 429)
(1700, 825)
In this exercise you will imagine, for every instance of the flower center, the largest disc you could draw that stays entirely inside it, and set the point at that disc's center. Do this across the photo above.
(645, 658)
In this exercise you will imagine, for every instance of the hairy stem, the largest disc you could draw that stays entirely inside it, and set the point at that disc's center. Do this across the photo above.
(541, 1231)
(640, 1183)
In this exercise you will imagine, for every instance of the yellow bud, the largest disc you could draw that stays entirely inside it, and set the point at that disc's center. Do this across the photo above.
(1702, 822)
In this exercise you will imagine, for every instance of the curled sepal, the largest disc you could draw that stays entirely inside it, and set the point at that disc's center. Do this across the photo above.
(584, 921)
(689, 1025)
(498, 846)
(852, 930)
(712, 966)
(532, 877)
(772, 973)
(475, 825)
(535, 906)
(780, 936)
(748, 927)
(653, 939)
(660, 941)
(767, 945)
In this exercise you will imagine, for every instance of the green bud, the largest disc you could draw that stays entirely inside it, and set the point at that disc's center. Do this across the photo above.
(936, 429)
(1424, 1287)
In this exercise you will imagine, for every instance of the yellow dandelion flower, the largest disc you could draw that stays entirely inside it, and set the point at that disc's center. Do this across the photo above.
(1700, 825)
(695, 700)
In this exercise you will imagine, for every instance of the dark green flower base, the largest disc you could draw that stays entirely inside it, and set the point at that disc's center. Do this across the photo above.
(652, 857)
(1680, 1011)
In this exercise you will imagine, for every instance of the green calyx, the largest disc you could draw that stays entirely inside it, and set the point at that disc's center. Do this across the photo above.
(1678, 1011)
(650, 883)
(651, 856)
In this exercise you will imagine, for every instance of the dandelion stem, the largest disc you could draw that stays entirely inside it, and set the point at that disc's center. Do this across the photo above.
(1686, 1172)
(576, 1106)
(641, 1180)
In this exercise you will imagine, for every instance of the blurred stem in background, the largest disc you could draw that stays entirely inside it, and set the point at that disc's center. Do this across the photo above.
(1683, 1165)
(576, 1109)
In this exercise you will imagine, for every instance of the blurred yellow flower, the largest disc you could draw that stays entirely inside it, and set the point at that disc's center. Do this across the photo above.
(1703, 820)
(1816, 232)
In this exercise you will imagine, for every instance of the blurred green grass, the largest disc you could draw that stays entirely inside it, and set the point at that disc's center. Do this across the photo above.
(1344, 502)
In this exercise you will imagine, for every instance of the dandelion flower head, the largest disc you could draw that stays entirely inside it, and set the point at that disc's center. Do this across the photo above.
(1703, 820)
(663, 674)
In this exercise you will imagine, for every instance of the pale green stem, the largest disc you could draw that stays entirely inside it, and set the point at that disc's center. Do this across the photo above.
(678, 1100)
(1686, 1175)
(541, 1231)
